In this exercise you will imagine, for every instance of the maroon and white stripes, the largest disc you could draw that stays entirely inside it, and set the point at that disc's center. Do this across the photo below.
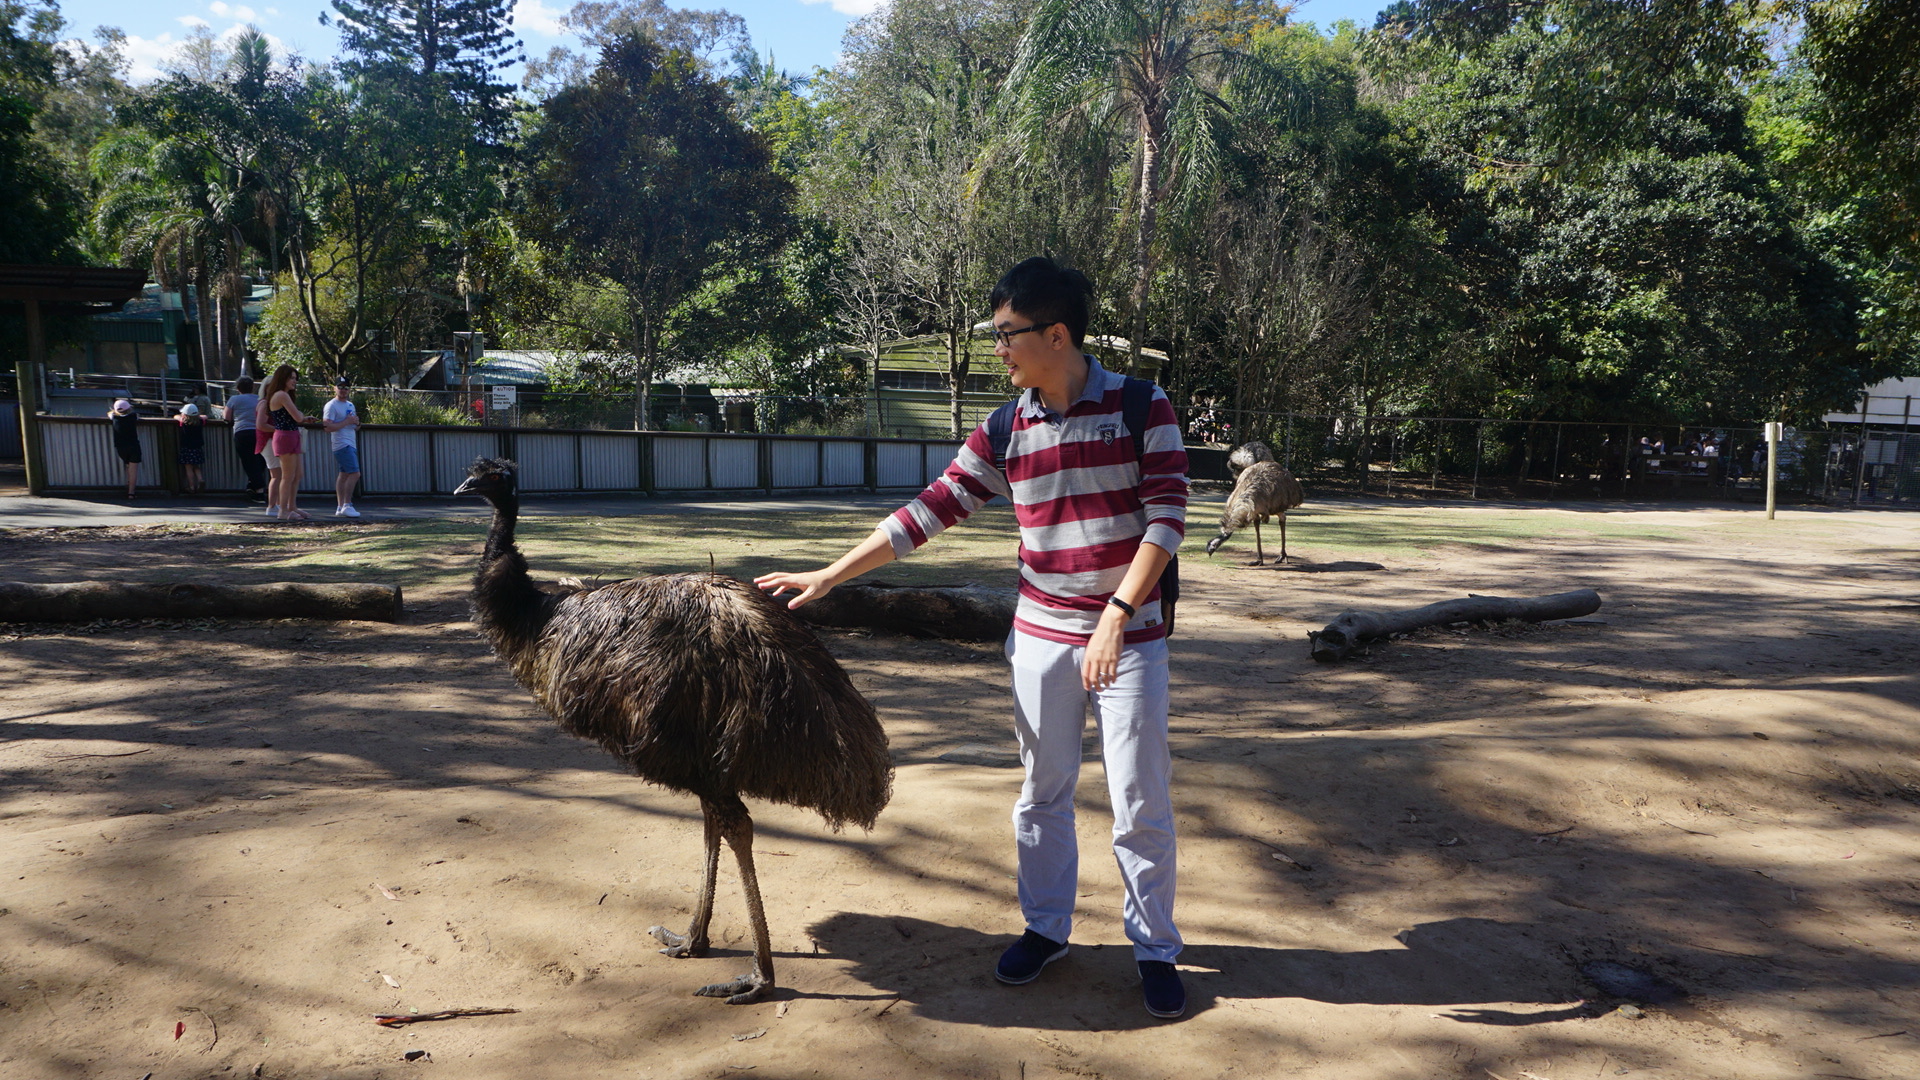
(1083, 501)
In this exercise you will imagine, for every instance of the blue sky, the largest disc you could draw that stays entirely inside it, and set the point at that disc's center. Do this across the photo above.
(803, 34)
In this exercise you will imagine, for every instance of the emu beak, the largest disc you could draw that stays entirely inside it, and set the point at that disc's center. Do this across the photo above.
(465, 488)
(1213, 545)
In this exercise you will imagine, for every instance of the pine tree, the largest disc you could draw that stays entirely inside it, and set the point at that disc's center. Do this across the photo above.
(455, 46)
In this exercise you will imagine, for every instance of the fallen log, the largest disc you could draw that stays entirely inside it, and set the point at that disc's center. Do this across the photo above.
(959, 612)
(84, 601)
(1352, 629)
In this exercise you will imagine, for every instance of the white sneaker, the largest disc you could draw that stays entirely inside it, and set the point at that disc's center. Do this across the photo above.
(347, 511)
(273, 511)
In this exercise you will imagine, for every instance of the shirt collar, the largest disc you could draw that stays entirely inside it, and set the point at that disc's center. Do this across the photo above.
(1099, 381)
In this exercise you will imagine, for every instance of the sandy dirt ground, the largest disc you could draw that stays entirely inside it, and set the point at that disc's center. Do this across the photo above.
(225, 847)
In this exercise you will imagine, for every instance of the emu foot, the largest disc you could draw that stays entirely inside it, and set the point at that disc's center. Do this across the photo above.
(678, 946)
(744, 990)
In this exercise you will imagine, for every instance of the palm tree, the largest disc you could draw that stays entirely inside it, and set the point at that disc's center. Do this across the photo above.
(1149, 71)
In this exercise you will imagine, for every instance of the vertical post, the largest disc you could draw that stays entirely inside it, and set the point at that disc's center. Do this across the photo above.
(1479, 445)
(1553, 481)
(1773, 463)
(1900, 459)
(1286, 442)
(1860, 448)
(27, 374)
(36, 335)
(1626, 460)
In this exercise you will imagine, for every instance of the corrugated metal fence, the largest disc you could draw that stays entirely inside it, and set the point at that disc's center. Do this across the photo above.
(433, 460)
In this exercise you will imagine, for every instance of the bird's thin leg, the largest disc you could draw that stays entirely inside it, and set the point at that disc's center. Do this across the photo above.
(1259, 551)
(758, 983)
(1283, 536)
(694, 941)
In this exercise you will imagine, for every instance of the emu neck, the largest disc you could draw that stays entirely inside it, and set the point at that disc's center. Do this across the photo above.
(505, 603)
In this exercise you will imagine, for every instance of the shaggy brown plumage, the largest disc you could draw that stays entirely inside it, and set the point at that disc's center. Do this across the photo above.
(1264, 489)
(698, 682)
(1247, 454)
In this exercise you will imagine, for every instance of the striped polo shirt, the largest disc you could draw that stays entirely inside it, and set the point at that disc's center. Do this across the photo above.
(1084, 503)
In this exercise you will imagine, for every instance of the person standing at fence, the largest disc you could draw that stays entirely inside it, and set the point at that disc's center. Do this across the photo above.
(239, 411)
(190, 449)
(343, 424)
(1101, 503)
(126, 440)
(284, 416)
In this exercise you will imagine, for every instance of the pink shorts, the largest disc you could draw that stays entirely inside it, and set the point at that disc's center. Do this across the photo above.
(286, 442)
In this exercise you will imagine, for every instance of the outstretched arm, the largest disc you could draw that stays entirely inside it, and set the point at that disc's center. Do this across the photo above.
(873, 552)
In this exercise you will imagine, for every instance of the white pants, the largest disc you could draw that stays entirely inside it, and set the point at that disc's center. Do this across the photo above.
(1050, 710)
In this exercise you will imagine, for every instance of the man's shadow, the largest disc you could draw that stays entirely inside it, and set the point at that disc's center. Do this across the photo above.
(946, 973)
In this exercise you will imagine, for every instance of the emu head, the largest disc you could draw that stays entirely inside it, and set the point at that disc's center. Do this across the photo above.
(489, 478)
(1213, 545)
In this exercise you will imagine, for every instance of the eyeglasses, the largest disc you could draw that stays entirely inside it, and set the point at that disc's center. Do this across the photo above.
(1002, 337)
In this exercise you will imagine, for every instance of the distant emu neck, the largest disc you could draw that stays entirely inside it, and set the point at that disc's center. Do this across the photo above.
(505, 603)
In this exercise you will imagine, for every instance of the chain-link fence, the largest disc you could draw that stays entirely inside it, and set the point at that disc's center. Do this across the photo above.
(1481, 458)
(1444, 457)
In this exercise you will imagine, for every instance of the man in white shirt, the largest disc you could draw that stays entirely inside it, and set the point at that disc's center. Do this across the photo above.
(343, 422)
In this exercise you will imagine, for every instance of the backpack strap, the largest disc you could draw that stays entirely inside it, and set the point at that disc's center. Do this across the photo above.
(1136, 401)
(1000, 433)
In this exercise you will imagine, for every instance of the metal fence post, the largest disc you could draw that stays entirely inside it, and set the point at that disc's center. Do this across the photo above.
(27, 380)
(1479, 450)
(1553, 481)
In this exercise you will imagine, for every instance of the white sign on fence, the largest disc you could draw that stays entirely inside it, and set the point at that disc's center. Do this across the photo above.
(504, 397)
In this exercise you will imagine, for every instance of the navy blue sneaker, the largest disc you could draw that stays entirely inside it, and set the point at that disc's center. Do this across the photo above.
(1160, 982)
(1022, 961)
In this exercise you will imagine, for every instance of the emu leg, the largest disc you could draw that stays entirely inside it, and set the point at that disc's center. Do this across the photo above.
(1283, 536)
(1259, 549)
(758, 983)
(694, 941)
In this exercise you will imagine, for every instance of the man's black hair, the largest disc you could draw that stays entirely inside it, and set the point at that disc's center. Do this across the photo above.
(1044, 291)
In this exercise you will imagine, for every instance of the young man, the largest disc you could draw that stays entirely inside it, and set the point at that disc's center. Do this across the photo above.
(339, 417)
(1100, 515)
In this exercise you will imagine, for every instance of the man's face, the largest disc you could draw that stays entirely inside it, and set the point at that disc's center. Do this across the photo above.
(1032, 356)
(339, 393)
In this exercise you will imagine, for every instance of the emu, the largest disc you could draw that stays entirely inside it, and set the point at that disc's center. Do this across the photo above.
(697, 682)
(1264, 489)
(1247, 454)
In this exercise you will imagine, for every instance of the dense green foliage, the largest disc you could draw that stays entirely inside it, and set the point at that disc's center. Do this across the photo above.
(1697, 211)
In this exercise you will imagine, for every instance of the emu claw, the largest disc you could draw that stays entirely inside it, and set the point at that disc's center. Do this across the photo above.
(744, 990)
(678, 946)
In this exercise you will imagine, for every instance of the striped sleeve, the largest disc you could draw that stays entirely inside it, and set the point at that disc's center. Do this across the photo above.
(1163, 476)
(964, 487)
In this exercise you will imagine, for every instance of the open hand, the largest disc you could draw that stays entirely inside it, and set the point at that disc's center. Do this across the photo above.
(811, 585)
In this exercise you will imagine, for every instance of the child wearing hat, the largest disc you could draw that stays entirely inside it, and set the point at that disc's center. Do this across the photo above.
(192, 451)
(126, 440)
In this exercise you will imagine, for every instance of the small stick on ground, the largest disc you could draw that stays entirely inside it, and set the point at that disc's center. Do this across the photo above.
(445, 1014)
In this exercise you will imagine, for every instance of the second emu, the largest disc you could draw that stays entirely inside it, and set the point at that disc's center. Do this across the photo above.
(697, 682)
(1265, 489)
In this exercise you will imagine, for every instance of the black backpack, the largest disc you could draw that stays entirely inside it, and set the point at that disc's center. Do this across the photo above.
(1136, 399)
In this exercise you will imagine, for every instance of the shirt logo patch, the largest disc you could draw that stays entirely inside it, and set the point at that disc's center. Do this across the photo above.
(1109, 432)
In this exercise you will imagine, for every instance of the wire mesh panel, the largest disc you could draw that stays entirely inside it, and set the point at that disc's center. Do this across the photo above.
(734, 462)
(610, 462)
(795, 463)
(453, 452)
(679, 464)
(547, 462)
(395, 462)
(844, 465)
(899, 465)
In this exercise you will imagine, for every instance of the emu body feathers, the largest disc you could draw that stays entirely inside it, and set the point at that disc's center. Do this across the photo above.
(697, 682)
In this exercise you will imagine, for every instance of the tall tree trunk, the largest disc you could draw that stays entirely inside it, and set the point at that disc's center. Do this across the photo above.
(1152, 136)
(643, 350)
(203, 314)
(959, 360)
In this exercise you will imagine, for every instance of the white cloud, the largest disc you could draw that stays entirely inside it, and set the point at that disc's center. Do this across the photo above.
(147, 57)
(273, 13)
(218, 8)
(192, 20)
(850, 7)
(243, 13)
(536, 17)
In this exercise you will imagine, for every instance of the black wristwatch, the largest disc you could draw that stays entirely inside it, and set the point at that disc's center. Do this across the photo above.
(1122, 605)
